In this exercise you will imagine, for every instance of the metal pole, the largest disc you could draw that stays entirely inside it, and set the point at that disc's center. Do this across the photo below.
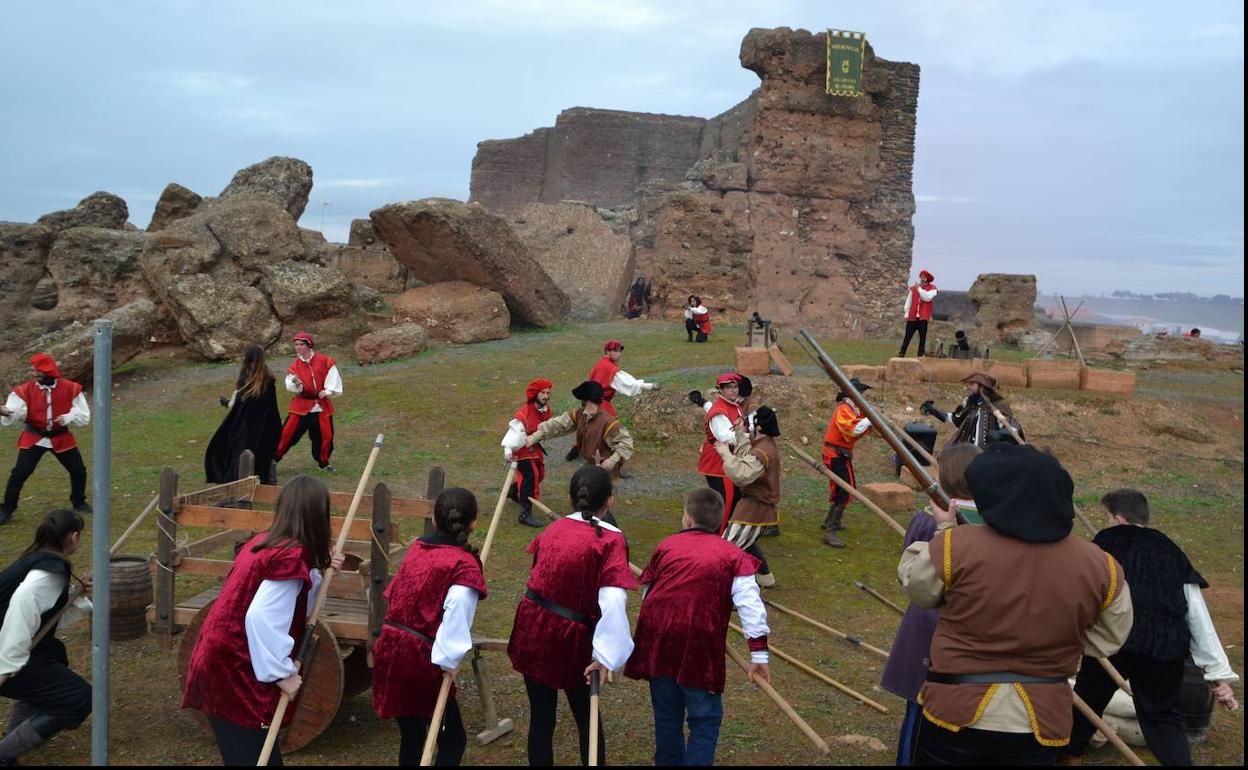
(101, 439)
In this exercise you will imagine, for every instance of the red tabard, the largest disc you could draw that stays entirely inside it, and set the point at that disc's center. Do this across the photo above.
(63, 396)
(570, 563)
(684, 615)
(920, 310)
(220, 680)
(703, 321)
(532, 417)
(405, 680)
(602, 373)
(709, 462)
(312, 374)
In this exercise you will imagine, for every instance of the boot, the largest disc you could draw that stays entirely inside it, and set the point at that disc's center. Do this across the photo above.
(526, 518)
(830, 538)
(25, 737)
(771, 530)
(623, 473)
(837, 520)
(834, 516)
(572, 454)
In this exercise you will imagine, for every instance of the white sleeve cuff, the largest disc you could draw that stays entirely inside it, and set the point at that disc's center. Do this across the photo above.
(290, 384)
(1206, 648)
(613, 641)
(760, 657)
(749, 603)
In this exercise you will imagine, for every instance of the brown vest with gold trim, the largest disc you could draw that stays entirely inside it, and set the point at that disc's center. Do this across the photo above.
(760, 497)
(591, 436)
(1018, 607)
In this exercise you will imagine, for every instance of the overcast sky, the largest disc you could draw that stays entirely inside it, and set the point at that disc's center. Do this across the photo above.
(1097, 144)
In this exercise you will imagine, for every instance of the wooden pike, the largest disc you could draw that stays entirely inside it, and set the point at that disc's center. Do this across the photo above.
(595, 685)
(783, 705)
(854, 640)
(1107, 731)
(544, 508)
(845, 485)
(1115, 675)
(883, 599)
(822, 677)
(498, 510)
(275, 725)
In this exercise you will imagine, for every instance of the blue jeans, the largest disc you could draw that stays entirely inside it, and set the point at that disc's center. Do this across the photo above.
(705, 713)
(909, 734)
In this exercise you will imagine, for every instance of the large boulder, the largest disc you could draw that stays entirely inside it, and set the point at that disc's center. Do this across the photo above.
(73, 347)
(23, 268)
(578, 250)
(371, 267)
(399, 341)
(307, 291)
(1004, 304)
(176, 202)
(99, 209)
(220, 319)
(439, 239)
(363, 235)
(455, 311)
(285, 181)
(94, 270)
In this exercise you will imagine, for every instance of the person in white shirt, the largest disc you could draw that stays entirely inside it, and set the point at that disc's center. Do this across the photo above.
(34, 670)
(314, 380)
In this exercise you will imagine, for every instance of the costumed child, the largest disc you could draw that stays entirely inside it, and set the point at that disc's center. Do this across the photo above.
(430, 605)
(692, 583)
(244, 658)
(47, 695)
(572, 619)
(905, 671)
(754, 469)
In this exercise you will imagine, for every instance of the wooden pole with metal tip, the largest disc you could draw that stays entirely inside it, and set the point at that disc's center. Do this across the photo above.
(1107, 731)
(881, 597)
(595, 685)
(782, 704)
(854, 640)
(845, 485)
(498, 510)
(322, 593)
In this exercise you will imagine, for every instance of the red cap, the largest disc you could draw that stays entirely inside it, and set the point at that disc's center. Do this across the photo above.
(927, 275)
(304, 337)
(726, 378)
(612, 345)
(44, 364)
(535, 387)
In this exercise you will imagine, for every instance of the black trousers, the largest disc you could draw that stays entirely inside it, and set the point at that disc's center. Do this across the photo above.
(451, 741)
(241, 746)
(690, 328)
(543, 703)
(526, 486)
(968, 747)
(756, 551)
(843, 467)
(912, 327)
(46, 685)
(28, 460)
(1156, 685)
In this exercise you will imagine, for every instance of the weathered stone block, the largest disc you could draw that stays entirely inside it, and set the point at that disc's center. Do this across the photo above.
(753, 361)
(1008, 375)
(782, 361)
(904, 371)
(868, 373)
(947, 369)
(372, 267)
(455, 311)
(1107, 381)
(388, 344)
(892, 496)
(1062, 375)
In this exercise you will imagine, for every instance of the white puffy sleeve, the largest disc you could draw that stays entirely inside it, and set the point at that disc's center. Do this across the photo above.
(625, 383)
(1207, 651)
(79, 413)
(514, 438)
(268, 620)
(17, 409)
(454, 637)
(613, 641)
(333, 382)
(749, 603)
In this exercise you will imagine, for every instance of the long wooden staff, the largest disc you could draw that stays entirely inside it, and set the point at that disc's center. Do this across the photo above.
(270, 740)
(822, 677)
(854, 640)
(544, 508)
(1107, 731)
(595, 684)
(782, 704)
(444, 692)
(883, 599)
(845, 485)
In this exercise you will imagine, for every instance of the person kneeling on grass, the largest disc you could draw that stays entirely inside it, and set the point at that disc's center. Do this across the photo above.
(691, 584)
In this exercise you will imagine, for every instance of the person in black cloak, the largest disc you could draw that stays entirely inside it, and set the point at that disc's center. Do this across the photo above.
(253, 423)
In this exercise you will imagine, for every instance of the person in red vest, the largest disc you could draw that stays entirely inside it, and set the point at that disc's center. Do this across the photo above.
(242, 661)
(919, 299)
(314, 380)
(47, 405)
(723, 414)
(613, 379)
(431, 603)
(573, 617)
(530, 460)
(844, 429)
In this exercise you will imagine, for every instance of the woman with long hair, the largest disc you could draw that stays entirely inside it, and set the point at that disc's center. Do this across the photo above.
(47, 696)
(252, 423)
(428, 630)
(243, 660)
(572, 620)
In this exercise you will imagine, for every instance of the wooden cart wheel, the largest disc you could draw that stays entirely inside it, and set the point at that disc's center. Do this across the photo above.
(319, 697)
(356, 673)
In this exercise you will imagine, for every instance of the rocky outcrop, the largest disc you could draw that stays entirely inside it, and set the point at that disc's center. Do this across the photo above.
(24, 256)
(93, 270)
(388, 344)
(100, 209)
(455, 311)
(363, 235)
(73, 347)
(220, 319)
(583, 256)
(445, 240)
(372, 267)
(286, 182)
(176, 202)
(1004, 304)
(302, 290)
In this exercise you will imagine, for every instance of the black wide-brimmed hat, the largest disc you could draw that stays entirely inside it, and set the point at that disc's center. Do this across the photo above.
(859, 386)
(588, 391)
(1023, 492)
(765, 421)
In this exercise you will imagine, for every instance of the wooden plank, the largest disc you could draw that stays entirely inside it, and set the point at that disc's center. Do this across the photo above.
(257, 521)
(433, 487)
(347, 618)
(206, 545)
(400, 507)
(166, 539)
(379, 565)
(346, 585)
(781, 361)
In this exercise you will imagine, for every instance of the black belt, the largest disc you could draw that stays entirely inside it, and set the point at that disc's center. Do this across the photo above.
(48, 433)
(410, 630)
(992, 677)
(558, 609)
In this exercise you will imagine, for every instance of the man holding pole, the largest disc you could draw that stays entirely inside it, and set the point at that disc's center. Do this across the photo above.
(982, 418)
(600, 438)
(530, 460)
(845, 428)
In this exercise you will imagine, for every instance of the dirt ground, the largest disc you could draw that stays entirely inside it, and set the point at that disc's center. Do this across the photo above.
(1181, 440)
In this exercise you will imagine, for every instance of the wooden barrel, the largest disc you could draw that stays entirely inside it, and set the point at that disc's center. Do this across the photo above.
(130, 594)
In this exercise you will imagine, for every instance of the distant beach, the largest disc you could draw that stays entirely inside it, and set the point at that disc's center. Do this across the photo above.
(1222, 321)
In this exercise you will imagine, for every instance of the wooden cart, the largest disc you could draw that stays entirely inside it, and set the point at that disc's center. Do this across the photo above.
(341, 662)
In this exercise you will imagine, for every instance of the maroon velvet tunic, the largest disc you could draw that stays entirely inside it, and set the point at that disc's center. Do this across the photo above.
(684, 615)
(571, 560)
(220, 680)
(405, 680)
